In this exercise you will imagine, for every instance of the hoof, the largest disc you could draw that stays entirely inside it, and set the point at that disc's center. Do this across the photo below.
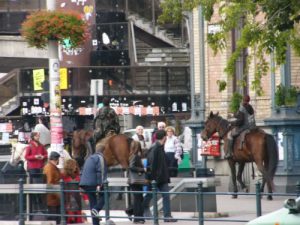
(270, 197)
(234, 196)
(246, 190)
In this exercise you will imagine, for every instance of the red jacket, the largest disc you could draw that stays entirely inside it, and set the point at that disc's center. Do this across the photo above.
(31, 151)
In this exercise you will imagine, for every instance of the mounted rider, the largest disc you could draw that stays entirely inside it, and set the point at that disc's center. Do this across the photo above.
(105, 122)
(243, 119)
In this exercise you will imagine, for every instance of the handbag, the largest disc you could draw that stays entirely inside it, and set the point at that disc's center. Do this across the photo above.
(136, 178)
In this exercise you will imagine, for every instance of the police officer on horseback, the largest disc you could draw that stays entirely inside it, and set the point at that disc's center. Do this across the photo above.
(243, 119)
(106, 121)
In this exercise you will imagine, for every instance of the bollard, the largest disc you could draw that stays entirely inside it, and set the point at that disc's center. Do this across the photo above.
(62, 203)
(298, 188)
(106, 200)
(155, 208)
(200, 203)
(21, 202)
(258, 199)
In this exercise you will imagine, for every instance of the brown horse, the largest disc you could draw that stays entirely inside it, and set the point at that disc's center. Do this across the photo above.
(117, 148)
(258, 147)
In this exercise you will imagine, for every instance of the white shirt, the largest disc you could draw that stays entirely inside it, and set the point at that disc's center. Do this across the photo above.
(45, 136)
(172, 144)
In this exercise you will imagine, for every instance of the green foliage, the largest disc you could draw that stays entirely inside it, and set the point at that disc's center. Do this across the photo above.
(222, 85)
(235, 102)
(42, 26)
(286, 96)
(274, 34)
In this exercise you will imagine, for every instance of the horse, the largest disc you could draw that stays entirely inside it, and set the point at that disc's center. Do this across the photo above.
(258, 147)
(116, 147)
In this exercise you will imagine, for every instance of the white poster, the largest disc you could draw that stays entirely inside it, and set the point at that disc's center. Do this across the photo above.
(96, 84)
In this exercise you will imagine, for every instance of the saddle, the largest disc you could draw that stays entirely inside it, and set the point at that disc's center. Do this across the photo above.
(243, 134)
(100, 145)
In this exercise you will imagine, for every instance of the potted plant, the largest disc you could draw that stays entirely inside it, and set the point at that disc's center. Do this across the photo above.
(42, 26)
(286, 99)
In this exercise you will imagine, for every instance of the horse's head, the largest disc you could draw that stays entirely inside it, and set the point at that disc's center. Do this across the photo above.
(210, 126)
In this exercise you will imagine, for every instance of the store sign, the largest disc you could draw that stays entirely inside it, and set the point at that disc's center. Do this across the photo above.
(6, 127)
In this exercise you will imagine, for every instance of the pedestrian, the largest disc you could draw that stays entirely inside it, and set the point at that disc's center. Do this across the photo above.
(139, 136)
(73, 205)
(160, 126)
(173, 151)
(42, 128)
(93, 175)
(53, 177)
(36, 156)
(136, 175)
(157, 170)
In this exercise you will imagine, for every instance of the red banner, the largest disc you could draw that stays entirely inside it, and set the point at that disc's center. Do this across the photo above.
(212, 146)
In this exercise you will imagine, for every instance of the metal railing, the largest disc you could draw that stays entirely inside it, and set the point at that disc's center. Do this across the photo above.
(200, 193)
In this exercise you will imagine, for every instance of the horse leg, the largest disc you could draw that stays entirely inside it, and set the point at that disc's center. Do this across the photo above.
(265, 179)
(233, 177)
(239, 177)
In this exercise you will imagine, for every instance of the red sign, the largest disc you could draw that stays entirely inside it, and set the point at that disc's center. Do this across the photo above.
(212, 146)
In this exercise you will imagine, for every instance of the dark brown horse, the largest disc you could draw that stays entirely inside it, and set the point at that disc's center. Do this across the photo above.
(258, 147)
(117, 148)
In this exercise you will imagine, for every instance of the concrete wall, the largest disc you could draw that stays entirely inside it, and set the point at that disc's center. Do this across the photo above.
(15, 46)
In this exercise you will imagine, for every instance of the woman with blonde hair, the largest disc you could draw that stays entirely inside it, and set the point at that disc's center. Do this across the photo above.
(173, 151)
(72, 199)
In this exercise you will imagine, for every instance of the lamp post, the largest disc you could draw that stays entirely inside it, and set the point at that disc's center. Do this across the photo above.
(54, 90)
(196, 122)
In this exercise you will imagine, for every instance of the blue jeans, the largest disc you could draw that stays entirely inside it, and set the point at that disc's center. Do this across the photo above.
(165, 196)
(96, 200)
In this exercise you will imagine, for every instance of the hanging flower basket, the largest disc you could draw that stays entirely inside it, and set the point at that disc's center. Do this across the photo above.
(42, 26)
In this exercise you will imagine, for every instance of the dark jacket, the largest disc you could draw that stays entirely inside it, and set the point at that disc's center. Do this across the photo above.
(136, 170)
(94, 172)
(157, 168)
(106, 120)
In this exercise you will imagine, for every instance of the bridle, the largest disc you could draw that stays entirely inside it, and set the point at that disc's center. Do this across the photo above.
(220, 128)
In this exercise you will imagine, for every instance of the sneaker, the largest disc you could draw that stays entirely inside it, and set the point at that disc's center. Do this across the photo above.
(95, 212)
(170, 220)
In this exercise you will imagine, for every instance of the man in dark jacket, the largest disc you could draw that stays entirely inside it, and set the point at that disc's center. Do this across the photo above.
(243, 119)
(157, 169)
(94, 174)
(105, 121)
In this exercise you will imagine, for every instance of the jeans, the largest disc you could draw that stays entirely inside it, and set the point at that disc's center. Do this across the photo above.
(96, 201)
(166, 199)
(137, 201)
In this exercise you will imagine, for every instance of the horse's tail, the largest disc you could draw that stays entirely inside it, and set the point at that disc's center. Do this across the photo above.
(272, 150)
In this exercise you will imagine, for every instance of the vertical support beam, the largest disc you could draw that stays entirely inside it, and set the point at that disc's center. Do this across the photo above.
(273, 83)
(285, 69)
(153, 17)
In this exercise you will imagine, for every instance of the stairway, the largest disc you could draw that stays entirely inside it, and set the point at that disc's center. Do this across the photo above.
(157, 31)
(163, 57)
(9, 86)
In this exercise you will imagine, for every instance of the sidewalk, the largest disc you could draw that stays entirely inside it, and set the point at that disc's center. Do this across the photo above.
(243, 208)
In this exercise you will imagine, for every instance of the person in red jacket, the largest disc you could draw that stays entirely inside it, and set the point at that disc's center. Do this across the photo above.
(36, 156)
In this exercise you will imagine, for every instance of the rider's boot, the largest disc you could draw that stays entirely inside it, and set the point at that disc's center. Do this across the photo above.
(90, 145)
(229, 151)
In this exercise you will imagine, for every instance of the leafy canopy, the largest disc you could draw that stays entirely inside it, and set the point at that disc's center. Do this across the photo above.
(278, 29)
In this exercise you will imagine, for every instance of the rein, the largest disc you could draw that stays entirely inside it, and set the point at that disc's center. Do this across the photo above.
(219, 128)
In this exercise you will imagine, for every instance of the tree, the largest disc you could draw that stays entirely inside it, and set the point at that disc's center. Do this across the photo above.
(278, 29)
